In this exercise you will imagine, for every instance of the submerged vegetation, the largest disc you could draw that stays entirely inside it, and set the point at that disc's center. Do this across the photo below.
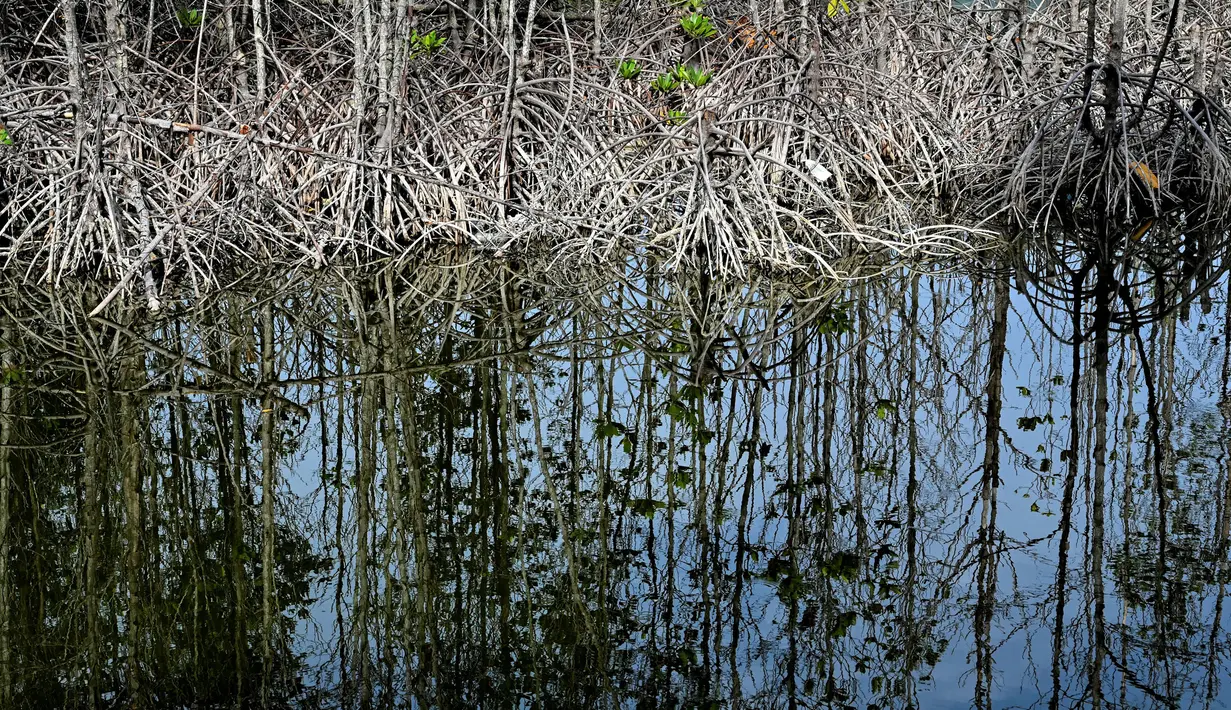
(190, 143)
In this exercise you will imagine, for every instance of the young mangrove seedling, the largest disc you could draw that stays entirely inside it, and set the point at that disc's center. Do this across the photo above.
(675, 117)
(629, 69)
(427, 43)
(694, 76)
(189, 17)
(697, 26)
(664, 83)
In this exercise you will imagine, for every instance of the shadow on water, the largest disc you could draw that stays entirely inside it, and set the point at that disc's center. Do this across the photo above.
(469, 486)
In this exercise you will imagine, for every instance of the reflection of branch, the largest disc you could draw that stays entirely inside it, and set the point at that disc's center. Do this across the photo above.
(241, 384)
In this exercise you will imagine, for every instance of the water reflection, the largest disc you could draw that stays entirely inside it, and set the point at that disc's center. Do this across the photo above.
(467, 487)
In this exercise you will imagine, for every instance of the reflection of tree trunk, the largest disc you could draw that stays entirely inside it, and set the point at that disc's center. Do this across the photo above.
(238, 504)
(1163, 462)
(90, 516)
(1102, 326)
(645, 443)
(6, 437)
(795, 430)
(989, 488)
(741, 537)
(566, 530)
(1126, 508)
(912, 492)
(393, 486)
(1165, 469)
(131, 458)
(339, 482)
(416, 499)
(268, 485)
(707, 548)
(859, 411)
(1070, 480)
(603, 385)
(1221, 535)
(830, 412)
(1160, 445)
(366, 431)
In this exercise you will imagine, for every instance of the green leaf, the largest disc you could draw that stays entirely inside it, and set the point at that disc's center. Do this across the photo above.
(189, 17)
(665, 84)
(629, 69)
(5, 138)
(697, 26)
(427, 43)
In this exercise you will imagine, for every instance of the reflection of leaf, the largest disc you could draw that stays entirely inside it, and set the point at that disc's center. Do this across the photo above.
(646, 506)
(876, 468)
(843, 624)
(835, 320)
(844, 566)
(884, 408)
(790, 588)
(607, 429)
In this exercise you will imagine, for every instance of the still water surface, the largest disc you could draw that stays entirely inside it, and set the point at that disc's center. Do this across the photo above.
(472, 488)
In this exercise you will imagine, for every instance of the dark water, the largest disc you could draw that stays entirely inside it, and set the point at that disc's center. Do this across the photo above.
(470, 488)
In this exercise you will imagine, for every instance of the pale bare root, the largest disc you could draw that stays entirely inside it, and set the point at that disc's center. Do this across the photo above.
(833, 140)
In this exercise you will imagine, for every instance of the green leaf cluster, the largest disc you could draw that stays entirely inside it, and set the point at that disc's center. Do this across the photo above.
(676, 117)
(190, 17)
(698, 26)
(629, 69)
(664, 83)
(693, 76)
(429, 43)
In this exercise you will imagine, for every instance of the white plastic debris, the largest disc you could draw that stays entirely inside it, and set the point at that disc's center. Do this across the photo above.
(819, 172)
